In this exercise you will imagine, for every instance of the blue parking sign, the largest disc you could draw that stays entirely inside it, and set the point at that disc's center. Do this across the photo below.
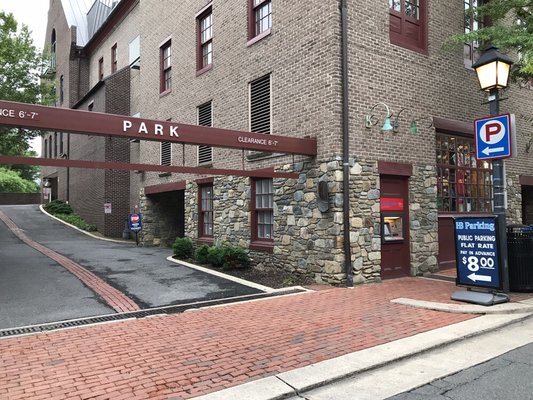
(493, 137)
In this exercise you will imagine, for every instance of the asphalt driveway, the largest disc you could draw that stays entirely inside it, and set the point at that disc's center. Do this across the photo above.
(31, 283)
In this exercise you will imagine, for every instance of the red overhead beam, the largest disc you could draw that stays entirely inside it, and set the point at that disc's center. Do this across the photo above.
(57, 162)
(92, 123)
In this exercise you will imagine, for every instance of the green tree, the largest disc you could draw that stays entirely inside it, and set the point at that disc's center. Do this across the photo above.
(21, 66)
(510, 29)
(11, 181)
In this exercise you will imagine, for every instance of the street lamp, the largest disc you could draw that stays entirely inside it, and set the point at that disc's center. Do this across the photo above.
(492, 70)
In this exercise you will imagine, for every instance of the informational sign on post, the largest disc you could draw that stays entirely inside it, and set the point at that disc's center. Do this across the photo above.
(493, 137)
(135, 222)
(478, 260)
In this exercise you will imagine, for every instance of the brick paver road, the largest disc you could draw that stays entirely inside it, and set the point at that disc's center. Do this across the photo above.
(184, 355)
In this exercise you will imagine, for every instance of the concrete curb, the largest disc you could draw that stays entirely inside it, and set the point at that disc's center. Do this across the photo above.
(299, 380)
(81, 230)
(232, 278)
(505, 308)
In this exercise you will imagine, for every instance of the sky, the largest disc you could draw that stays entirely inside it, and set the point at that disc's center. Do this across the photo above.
(32, 13)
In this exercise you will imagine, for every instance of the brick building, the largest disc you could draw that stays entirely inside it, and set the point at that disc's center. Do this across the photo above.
(275, 67)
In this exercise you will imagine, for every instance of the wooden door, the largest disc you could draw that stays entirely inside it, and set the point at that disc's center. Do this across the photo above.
(395, 244)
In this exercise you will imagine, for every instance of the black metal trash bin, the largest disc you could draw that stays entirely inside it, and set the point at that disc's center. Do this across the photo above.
(520, 257)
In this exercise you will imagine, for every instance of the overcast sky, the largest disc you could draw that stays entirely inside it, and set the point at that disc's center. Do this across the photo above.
(32, 13)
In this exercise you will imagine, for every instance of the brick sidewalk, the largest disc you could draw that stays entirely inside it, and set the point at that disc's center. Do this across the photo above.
(184, 355)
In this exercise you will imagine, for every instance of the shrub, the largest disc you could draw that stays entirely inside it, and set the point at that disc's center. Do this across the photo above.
(235, 257)
(201, 254)
(215, 256)
(77, 221)
(183, 248)
(58, 207)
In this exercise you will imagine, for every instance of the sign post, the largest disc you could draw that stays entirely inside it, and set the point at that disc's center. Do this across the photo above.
(478, 260)
(135, 224)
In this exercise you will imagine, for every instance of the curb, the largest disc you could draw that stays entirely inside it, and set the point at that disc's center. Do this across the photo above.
(291, 383)
(505, 308)
(81, 230)
(240, 281)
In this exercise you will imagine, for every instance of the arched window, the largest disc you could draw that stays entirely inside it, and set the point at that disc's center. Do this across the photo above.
(53, 49)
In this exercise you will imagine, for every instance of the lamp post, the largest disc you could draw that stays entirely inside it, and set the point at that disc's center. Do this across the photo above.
(492, 70)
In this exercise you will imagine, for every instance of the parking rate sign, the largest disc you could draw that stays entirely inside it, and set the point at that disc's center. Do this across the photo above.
(493, 137)
(476, 245)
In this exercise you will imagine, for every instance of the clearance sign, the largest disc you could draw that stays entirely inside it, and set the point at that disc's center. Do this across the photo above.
(92, 123)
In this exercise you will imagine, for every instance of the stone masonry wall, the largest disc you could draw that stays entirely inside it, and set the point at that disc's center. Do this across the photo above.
(308, 241)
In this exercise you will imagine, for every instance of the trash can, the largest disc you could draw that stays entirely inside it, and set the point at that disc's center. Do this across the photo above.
(520, 257)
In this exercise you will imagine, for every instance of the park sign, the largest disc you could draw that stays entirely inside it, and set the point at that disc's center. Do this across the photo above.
(477, 256)
(493, 137)
(30, 116)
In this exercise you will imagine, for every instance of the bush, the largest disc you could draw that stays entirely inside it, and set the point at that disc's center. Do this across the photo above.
(183, 248)
(235, 257)
(63, 211)
(227, 257)
(215, 256)
(58, 207)
(77, 221)
(201, 254)
(12, 182)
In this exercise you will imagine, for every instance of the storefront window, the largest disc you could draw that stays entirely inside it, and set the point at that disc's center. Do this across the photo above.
(463, 183)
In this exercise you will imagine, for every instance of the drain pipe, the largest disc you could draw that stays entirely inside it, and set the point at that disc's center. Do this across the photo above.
(345, 146)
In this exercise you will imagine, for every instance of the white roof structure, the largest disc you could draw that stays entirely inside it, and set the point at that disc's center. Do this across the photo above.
(77, 14)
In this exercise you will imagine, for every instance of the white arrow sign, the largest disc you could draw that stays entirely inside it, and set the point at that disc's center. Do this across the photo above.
(482, 278)
(488, 151)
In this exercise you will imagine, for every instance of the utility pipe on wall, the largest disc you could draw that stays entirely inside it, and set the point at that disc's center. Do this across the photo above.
(345, 146)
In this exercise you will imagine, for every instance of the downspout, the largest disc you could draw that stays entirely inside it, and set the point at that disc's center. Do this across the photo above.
(345, 146)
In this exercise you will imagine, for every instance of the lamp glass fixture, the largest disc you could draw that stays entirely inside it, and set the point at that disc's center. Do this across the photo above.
(492, 69)
(494, 75)
(413, 129)
(387, 126)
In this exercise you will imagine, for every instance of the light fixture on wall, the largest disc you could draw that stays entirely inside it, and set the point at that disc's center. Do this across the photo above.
(371, 119)
(413, 126)
(528, 144)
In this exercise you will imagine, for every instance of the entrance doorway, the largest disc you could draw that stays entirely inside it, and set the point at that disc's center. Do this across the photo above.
(395, 244)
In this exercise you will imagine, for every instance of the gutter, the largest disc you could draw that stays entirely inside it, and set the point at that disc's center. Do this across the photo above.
(345, 145)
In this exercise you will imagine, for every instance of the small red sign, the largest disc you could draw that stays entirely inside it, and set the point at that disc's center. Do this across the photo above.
(135, 218)
(391, 204)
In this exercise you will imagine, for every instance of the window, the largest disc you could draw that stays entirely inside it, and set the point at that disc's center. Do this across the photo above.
(205, 213)
(114, 59)
(205, 153)
(260, 105)
(45, 152)
(166, 153)
(135, 53)
(472, 23)
(166, 67)
(61, 148)
(61, 89)
(262, 210)
(53, 43)
(101, 69)
(408, 24)
(463, 183)
(205, 40)
(55, 144)
(260, 18)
